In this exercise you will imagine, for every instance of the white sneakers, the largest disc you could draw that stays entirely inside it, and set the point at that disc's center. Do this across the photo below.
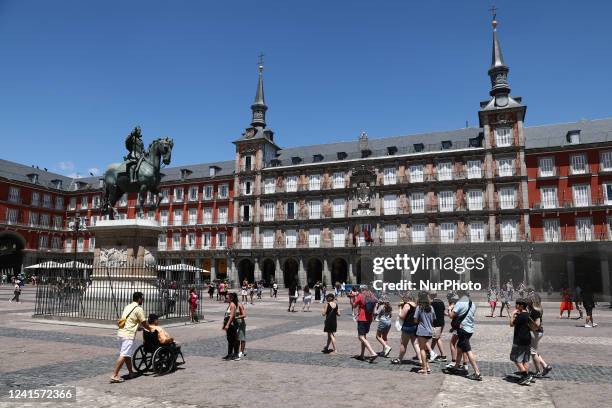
(432, 356)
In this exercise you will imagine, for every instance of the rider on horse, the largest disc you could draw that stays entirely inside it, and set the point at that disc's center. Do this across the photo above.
(135, 147)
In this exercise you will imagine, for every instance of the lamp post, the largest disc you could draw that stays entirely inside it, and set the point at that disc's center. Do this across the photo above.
(76, 226)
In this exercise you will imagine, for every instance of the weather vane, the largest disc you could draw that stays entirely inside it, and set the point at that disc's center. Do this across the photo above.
(260, 60)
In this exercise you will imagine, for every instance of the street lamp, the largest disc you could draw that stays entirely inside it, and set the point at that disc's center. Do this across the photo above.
(76, 226)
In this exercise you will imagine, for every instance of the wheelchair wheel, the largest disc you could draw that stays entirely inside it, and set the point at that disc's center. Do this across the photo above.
(163, 361)
(141, 360)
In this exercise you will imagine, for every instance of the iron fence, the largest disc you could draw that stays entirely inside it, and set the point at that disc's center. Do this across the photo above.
(101, 292)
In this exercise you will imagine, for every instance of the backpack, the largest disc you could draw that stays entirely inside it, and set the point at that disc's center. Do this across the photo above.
(370, 304)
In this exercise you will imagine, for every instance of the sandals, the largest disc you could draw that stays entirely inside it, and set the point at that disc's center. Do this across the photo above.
(396, 361)
(371, 359)
(116, 380)
(360, 358)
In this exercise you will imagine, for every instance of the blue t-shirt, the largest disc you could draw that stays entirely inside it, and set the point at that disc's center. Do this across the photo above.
(425, 320)
(460, 308)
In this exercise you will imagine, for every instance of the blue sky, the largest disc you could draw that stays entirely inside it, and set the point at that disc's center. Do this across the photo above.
(76, 76)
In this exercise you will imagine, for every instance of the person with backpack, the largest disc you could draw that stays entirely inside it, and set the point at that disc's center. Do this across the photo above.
(365, 302)
(16, 292)
(521, 343)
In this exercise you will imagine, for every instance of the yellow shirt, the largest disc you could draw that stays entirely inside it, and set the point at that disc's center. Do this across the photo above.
(133, 321)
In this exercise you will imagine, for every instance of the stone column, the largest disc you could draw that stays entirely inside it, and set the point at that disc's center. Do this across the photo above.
(434, 274)
(232, 272)
(570, 272)
(534, 277)
(605, 276)
(326, 272)
(351, 273)
(301, 273)
(494, 274)
(257, 270)
(213, 269)
(279, 275)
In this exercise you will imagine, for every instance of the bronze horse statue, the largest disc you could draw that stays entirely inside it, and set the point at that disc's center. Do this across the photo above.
(117, 180)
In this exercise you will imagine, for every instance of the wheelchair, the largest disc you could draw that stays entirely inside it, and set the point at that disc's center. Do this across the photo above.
(153, 356)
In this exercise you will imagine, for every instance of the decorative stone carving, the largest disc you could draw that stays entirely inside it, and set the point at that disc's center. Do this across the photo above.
(363, 181)
(118, 257)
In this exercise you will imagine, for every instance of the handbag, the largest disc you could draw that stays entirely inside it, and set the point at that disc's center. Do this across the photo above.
(456, 322)
(121, 322)
(398, 324)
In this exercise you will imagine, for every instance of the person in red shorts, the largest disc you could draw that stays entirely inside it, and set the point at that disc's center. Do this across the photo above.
(365, 302)
(566, 303)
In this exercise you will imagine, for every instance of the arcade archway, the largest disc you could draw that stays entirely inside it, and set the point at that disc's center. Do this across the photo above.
(339, 271)
(11, 252)
(267, 270)
(290, 272)
(511, 267)
(314, 272)
(246, 270)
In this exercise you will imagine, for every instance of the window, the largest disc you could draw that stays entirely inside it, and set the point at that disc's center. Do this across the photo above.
(245, 239)
(268, 211)
(35, 199)
(68, 244)
(447, 232)
(390, 234)
(72, 205)
(474, 200)
(290, 210)
(163, 218)
(223, 190)
(446, 201)
(505, 167)
(207, 215)
(313, 238)
(161, 242)
(205, 240)
(338, 237)
(84, 202)
(57, 222)
(418, 233)
(507, 198)
(416, 173)
(43, 241)
(269, 186)
(314, 182)
(222, 213)
(477, 231)
(607, 193)
(80, 244)
(290, 239)
(92, 243)
(12, 215)
(338, 207)
(59, 202)
(509, 231)
(13, 194)
(221, 240)
(47, 202)
(246, 188)
(390, 204)
(445, 170)
(248, 163)
(44, 220)
(268, 239)
(178, 217)
(291, 184)
(338, 180)
(584, 229)
(314, 209)
(176, 241)
(246, 213)
(573, 137)
(193, 193)
(33, 219)
(503, 136)
(165, 193)
(546, 166)
(208, 192)
(151, 215)
(578, 164)
(549, 197)
(551, 230)
(610, 228)
(93, 220)
(193, 216)
(474, 169)
(417, 202)
(56, 243)
(95, 201)
(581, 195)
(389, 176)
(606, 161)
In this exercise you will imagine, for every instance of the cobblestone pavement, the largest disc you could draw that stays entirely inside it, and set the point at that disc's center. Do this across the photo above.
(284, 365)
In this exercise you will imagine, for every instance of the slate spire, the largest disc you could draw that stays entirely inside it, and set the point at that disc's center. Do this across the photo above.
(498, 72)
(259, 107)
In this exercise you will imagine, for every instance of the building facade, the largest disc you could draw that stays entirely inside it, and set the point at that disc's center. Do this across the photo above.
(533, 201)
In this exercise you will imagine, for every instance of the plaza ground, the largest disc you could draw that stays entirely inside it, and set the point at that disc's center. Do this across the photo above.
(284, 366)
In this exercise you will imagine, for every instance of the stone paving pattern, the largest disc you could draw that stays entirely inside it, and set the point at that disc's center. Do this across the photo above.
(284, 365)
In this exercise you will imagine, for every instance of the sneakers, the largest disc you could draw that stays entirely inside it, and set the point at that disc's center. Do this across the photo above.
(588, 326)
(432, 357)
(450, 365)
(475, 377)
(241, 354)
(237, 358)
(594, 324)
(386, 351)
(526, 379)
(441, 359)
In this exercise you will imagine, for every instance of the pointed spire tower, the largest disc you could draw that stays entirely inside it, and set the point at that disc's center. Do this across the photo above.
(259, 107)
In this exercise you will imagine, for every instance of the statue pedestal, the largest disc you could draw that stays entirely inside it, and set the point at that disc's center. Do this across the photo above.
(125, 261)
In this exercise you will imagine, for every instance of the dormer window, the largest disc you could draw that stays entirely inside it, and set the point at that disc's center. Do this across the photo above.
(341, 155)
(391, 150)
(419, 147)
(33, 177)
(296, 160)
(317, 158)
(275, 162)
(446, 144)
(573, 137)
(185, 173)
(101, 183)
(475, 142)
(366, 153)
(57, 183)
(213, 170)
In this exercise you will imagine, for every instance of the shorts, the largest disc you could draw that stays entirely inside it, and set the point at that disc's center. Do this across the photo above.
(363, 328)
(384, 326)
(241, 330)
(520, 354)
(410, 330)
(307, 300)
(126, 347)
(464, 340)
(437, 332)
(493, 303)
(535, 340)
(589, 309)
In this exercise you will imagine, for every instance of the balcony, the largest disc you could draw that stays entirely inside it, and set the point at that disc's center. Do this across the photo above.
(569, 236)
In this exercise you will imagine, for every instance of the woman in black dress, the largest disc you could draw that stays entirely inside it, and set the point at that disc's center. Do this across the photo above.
(317, 288)
(331, 313)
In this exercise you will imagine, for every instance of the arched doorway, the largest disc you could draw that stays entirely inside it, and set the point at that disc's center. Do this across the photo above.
(339, 271)
(314, 271)
(481, 275)
(511, 267)
(11, 252)
(290, 272)
(267, 270)
(246, 270)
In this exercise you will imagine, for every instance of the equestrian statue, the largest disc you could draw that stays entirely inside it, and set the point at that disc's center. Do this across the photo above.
(139, 173)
